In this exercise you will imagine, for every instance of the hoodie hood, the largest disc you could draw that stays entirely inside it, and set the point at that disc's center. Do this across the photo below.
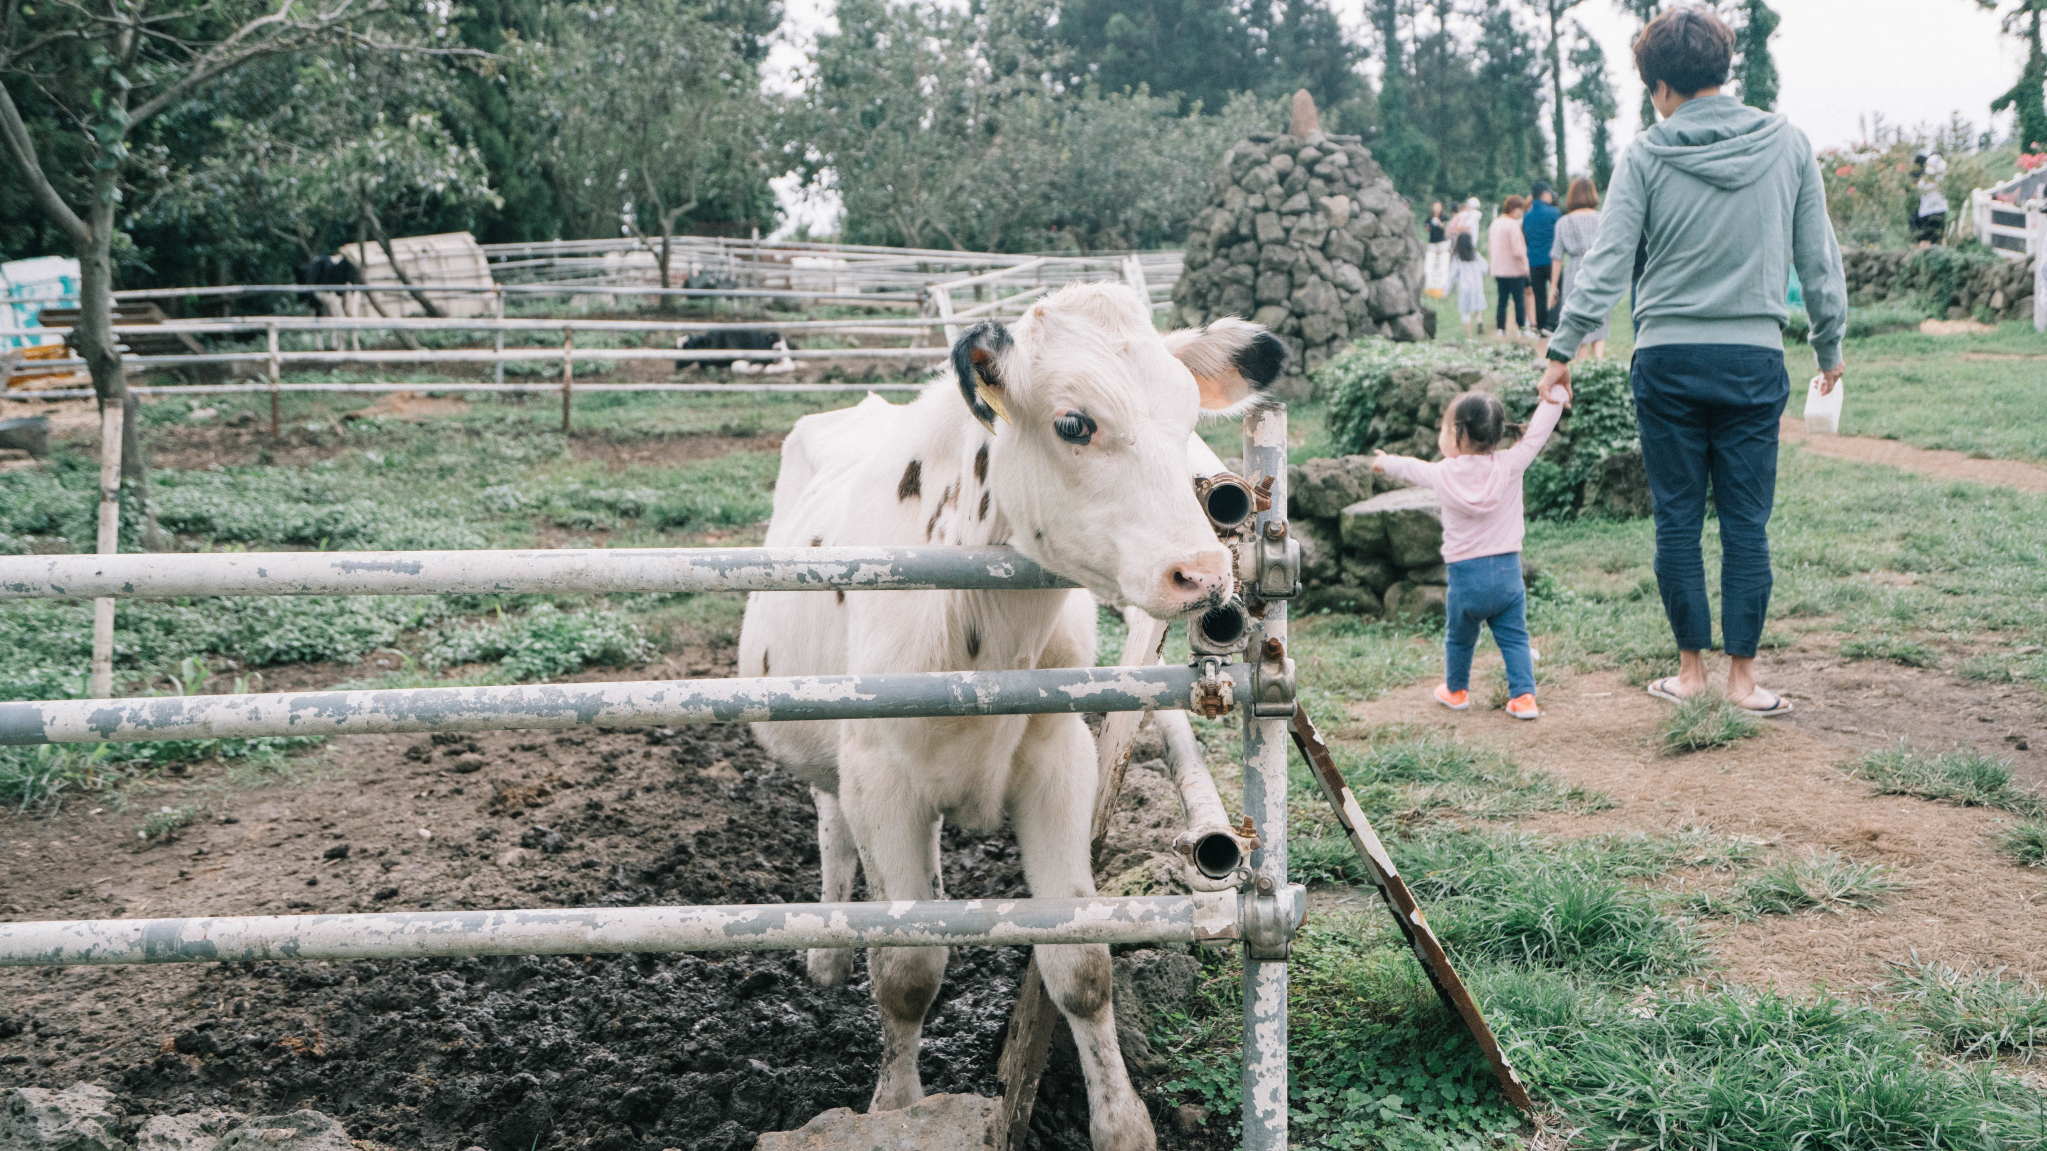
(1719, 140)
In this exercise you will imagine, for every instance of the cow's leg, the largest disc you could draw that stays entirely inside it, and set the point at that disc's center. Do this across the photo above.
(831, 967)
(1051, 801)
(896, 849)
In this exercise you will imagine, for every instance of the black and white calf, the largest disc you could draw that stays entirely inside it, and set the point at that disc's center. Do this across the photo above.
(1067, 439)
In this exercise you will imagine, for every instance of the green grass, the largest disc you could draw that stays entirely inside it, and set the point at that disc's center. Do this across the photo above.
(1821, 881)
(2024, 843)
(1904, 652)
(1704, 721)
(1741, 1070)
(1971, 1014)
(1962, 777)
(1907, 386)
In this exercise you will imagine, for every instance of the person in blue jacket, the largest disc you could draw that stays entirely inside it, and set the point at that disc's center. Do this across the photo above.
(1539, 228)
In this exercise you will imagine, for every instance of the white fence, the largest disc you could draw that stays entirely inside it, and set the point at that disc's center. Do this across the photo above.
(1264, 914)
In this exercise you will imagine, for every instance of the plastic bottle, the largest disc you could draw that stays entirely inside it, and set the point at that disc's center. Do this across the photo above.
(1823, 412)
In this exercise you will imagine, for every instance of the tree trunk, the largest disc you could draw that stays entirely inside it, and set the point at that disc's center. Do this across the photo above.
(397, 269)
(94, 340)
(667, 253)
(1556, 80)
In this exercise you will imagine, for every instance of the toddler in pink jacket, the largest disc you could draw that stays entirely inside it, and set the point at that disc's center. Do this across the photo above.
(1479, 486)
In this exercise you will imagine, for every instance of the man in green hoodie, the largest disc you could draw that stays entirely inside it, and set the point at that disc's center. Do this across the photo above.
(1723, 198)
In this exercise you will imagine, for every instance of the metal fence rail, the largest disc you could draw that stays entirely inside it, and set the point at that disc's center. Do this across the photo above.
(631, 704)
(1198, 918)
(596, 571)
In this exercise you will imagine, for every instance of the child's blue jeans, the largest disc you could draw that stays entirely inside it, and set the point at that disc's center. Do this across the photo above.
(1488, 590)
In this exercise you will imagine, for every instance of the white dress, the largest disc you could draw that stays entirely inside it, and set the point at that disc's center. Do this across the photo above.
(1576, 233)
(1467, 279)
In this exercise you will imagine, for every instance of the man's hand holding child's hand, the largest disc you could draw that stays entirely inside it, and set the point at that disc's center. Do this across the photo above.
(1556, 383)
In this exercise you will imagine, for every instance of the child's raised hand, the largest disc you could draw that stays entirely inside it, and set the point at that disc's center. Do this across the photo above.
(1378, 460)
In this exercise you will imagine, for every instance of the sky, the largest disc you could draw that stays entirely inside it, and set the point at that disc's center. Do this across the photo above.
(1840, 61)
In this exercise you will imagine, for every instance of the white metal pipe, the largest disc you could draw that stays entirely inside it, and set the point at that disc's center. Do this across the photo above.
(249, 324)
(1199, 918)
(1265, 782)
(632, 704)
(447, 386)
(1212, 847)
(599, 571)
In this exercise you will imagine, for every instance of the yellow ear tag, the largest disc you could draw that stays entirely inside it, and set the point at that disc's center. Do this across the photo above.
(993, 399)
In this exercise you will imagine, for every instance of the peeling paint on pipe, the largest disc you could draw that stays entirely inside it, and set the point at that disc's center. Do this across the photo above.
(607, 930)
(565, 705)
(589, 570)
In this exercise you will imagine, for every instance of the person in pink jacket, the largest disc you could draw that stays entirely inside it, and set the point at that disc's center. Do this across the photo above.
(1509, 251)
(1479, 486)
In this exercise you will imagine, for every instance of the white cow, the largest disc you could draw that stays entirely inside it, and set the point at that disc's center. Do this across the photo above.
(1067, 440)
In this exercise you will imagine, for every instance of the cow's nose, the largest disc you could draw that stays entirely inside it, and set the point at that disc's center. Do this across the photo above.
(1200, 579)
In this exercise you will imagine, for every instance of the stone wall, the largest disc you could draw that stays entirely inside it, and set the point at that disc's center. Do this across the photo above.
(1958, 283)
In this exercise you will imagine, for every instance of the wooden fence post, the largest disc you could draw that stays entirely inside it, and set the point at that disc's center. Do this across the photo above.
(568, 373)
(101, 685)
(499, 314)
(276, 368)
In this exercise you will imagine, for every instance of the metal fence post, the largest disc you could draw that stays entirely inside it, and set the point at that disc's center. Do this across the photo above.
(568, 372)
(276, 369)
(1265, 778)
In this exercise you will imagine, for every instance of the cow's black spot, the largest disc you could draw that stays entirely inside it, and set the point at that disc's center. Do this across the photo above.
(1260, 360)
(841, 593)
(817, 541)
(764, 662)
(912, 484)
(983, 514)
(981, 464)
(973, 643)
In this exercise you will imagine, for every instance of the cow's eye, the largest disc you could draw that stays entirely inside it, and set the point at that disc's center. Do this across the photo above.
(1074, 427)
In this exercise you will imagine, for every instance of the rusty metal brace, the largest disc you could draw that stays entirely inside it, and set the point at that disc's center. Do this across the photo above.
(1406, 912)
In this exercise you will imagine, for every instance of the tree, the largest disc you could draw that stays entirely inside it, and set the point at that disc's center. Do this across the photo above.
(1207, 51)
(1645, 11)
(1594, 94)
(101, 71)
(1509, 109)
(1553, 11)
(1406, 154)
(353, 145)
(652, 116)
(1757, 71)
(2026, 96)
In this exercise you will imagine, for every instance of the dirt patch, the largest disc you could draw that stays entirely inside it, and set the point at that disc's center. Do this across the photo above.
(1934, 462)
(617, 1053)
(1966, 904)
(668, 451)
(1954, 328)
(410, 406)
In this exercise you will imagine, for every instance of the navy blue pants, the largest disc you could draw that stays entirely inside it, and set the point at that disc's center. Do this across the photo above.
(1488, 591)
(1710, 412)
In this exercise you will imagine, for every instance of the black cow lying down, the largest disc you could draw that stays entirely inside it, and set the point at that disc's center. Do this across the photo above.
(733, 340)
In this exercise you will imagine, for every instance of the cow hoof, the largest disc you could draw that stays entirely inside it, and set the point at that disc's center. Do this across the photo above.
(895, 1093)
(830, 967)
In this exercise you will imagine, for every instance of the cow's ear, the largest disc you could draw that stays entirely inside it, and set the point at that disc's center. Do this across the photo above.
(1233, 360)
(979, 359)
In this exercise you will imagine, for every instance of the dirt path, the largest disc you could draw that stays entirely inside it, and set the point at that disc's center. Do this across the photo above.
(1934, 462)
(1966, 904)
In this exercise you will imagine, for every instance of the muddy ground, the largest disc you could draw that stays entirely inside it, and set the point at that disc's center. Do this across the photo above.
(615, 1053)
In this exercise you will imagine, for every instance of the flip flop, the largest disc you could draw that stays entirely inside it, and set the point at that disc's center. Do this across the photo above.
(1778, 706)
(1662, 689)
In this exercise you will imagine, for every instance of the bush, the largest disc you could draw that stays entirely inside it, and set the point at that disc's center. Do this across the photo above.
(1391, 397)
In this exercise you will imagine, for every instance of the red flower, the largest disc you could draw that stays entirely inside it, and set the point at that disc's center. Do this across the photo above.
(1845, 170)
(1851, 191)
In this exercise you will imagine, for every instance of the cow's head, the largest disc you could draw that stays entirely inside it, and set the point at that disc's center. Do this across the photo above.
(1091, 409)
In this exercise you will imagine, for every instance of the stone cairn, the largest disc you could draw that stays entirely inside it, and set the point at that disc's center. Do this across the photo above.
(1306, 236)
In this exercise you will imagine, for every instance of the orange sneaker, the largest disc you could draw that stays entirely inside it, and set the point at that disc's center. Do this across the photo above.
(1454, 700)
(1523, 707)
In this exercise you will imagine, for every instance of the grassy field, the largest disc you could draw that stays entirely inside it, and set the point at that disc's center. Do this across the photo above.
(1589, 956)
